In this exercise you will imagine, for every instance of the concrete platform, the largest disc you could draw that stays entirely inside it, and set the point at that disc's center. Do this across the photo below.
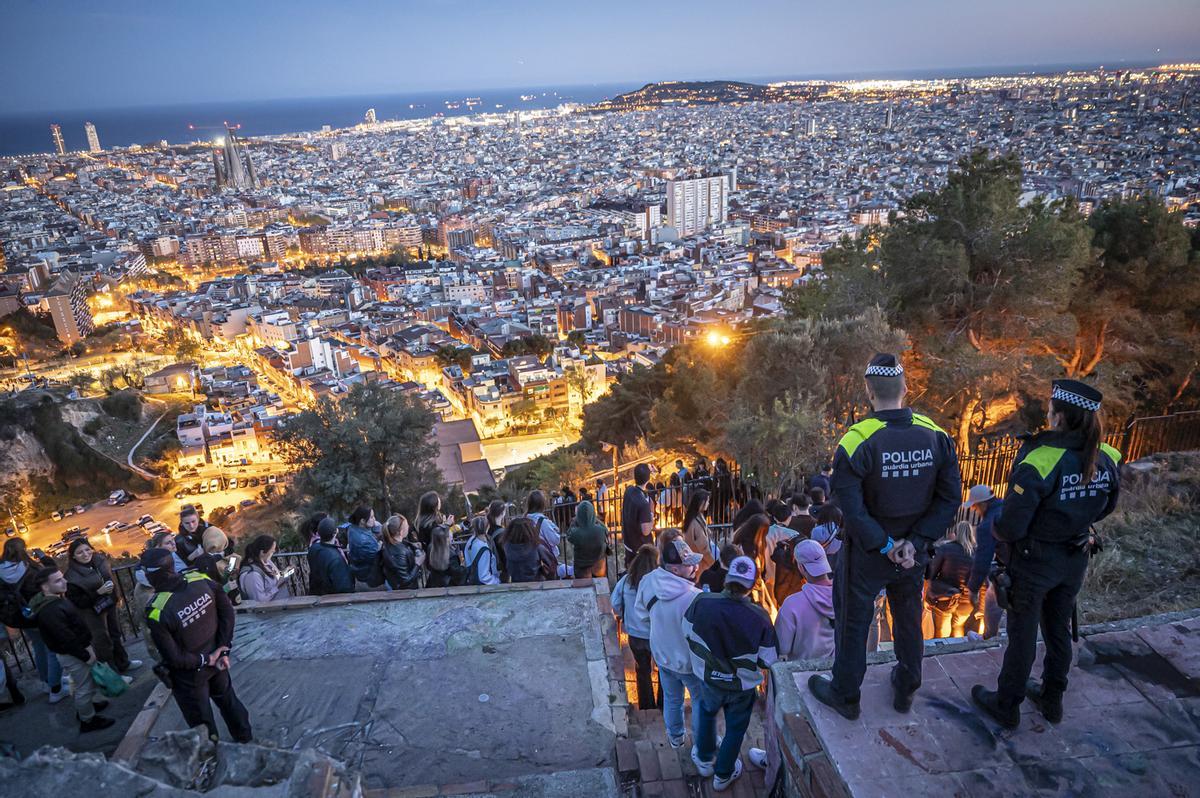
(1131, 726)
(501, 690)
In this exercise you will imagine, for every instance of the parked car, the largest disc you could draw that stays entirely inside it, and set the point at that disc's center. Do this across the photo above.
(203, 487)
(9, 532)
(56, 515)
(145, 519)
(81, 508)
(233, 483)
(179, 494)
(247, 502)
(116, 496)
(67, 512)
(57, 547)
(254, 482)
(111, 526)
(271, 478)
(214, 485)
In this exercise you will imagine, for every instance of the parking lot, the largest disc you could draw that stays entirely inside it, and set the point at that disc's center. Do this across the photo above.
(101, 522)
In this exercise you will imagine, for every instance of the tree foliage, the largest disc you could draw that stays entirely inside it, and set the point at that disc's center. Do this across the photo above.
(375, 447)
(622, 416)
(535, 344)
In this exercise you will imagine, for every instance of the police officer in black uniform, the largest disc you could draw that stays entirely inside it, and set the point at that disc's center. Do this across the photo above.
(191, 621)
(896, 479)
(1064, 480)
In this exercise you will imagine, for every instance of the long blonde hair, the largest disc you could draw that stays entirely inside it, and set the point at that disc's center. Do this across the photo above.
(964, 534)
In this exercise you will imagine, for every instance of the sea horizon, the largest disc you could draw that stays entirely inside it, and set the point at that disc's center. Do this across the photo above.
(28, 132)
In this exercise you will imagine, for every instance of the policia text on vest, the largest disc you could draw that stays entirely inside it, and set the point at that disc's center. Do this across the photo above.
(191, 621)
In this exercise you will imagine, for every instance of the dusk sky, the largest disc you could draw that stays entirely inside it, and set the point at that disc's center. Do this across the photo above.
(64, 54)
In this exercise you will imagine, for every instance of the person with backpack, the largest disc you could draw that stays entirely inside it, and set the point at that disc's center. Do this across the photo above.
(67, 635)
(804, 625)
(429, 517)
(480, 557)
(520, 545)
(401, 556)
(589, 539)
(637, 628)
(663, 596)
(802, 520)
(547, 530)
(731, 642)
(827, 532)
(17, 589)
(497, 514)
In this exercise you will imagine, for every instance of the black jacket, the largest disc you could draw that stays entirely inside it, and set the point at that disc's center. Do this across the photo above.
(949, 570)
(1047, 498)
(328, 571)
(62, 626)
(895, 474)
(400, 566)
(190, 620)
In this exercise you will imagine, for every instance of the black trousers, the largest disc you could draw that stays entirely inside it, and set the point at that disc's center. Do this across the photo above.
(860, 577)
(196, 691)
(1044, 587)
(644, 661)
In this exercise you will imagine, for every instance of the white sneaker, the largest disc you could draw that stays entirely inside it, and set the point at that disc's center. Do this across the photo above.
(128, 679)
(721, 785)
(62, 693)
(758, 758)
(677, 742)
(134, 664)
(703, 768)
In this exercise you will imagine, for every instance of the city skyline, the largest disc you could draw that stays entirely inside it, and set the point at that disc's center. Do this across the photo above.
(528, 44)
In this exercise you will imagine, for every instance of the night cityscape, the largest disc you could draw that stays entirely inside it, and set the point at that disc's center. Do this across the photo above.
(269, 366)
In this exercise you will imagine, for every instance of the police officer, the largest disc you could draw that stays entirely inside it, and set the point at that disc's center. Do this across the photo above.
(191, 621)
(1064, 480)
(895, 477)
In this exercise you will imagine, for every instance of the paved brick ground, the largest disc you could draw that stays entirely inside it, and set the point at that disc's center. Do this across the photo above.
(1132, 726)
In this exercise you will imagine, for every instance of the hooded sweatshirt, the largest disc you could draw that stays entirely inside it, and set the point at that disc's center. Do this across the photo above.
(61, 625)
(805, 623)
(588, 536)
(662, 599)
(624, 597)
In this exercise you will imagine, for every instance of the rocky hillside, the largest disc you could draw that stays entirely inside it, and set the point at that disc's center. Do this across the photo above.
(1151, 560)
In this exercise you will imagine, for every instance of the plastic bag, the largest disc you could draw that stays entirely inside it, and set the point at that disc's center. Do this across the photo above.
(108, 680)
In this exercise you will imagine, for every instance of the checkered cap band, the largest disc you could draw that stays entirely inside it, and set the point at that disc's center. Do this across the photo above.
(884, 371)
(1064, 395)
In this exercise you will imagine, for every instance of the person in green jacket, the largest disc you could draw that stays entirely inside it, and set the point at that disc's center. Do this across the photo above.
(589, 538)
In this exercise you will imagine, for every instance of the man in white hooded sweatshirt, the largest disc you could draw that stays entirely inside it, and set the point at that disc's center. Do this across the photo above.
(663, 597)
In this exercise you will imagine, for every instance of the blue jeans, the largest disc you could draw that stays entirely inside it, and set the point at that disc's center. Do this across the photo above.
(48, 666)
(672, 684)
(738, 706)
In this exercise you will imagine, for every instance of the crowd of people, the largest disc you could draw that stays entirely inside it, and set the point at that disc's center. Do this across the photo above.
(878, 546)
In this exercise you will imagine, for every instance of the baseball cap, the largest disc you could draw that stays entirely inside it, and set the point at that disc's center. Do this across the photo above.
(679, 553)
(742, 571)
(977, 494)
(153, 559)
(810, 555)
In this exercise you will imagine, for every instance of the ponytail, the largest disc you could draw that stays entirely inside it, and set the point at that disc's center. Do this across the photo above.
(1087, 422)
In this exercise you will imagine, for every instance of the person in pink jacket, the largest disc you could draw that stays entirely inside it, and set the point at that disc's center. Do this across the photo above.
(804, 625)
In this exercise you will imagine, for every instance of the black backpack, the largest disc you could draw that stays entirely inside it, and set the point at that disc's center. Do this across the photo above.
(14, 612)
(788, 579)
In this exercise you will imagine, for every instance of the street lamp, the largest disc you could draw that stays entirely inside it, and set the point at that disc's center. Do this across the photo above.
(717, 339)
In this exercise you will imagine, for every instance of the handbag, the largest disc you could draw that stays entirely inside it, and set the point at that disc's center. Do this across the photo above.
(103, 604)
(108, 680)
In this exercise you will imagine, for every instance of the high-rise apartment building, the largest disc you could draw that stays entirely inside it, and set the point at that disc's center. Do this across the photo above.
(369, 116)
(889, 118)
(93, 140)
(67, 303)
(693, 205)
(56, 136)
(810, 127)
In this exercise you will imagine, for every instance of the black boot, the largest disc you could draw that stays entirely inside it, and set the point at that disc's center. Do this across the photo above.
(1006, 714)
(97, 723)
(100, 705)
(901, 699)
(822, 690)
(1048, 703)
